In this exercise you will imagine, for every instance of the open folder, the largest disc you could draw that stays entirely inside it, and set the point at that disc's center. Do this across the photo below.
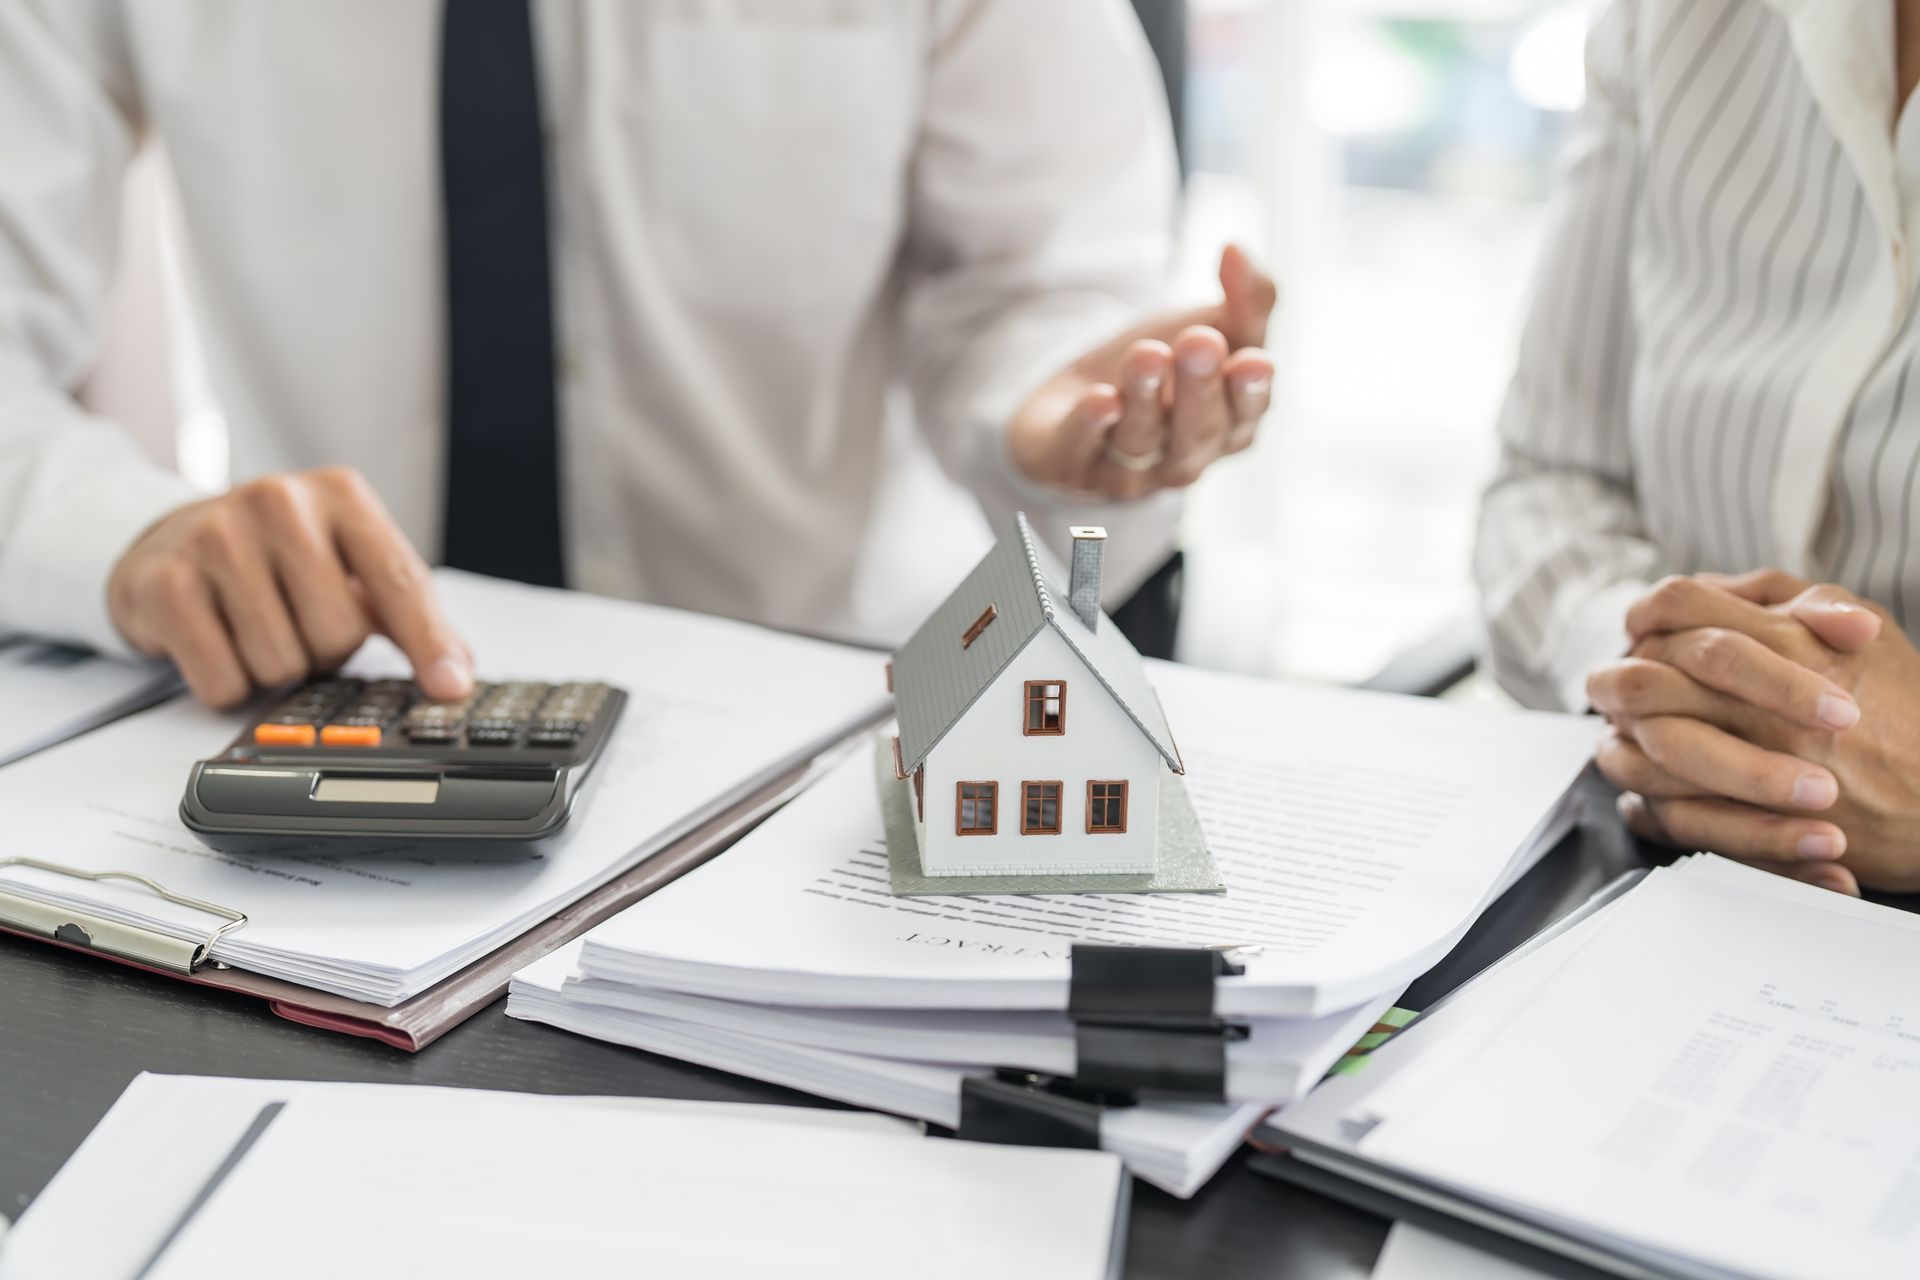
(52, 692)
(1707, 1076)
(401, 941)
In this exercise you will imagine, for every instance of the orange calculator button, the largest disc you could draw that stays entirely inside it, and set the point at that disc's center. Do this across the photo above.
(351, 735)
(283, 735)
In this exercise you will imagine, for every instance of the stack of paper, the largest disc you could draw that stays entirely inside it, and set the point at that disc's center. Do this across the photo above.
(1712, 1076)
(716, 708)
(199, 1177)
(52, 692)
(1360, 835)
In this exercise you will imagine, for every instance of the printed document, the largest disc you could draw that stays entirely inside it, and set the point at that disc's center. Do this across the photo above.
(1276, 1061)
(1727, 1071)
(1176, 1145)
(715, 706)
(1360, 835)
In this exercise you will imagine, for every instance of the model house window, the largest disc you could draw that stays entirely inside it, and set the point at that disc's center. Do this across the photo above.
(979, 809)
(1039, 808)
(1106, 808)
(1046, 707)
(979, 624)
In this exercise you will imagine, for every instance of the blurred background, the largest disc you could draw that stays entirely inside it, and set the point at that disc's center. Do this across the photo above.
(1389, 160)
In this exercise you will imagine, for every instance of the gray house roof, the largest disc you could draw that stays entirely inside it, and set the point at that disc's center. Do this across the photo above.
(935, 679)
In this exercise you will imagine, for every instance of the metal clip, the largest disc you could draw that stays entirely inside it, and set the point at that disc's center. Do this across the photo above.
(94, 932)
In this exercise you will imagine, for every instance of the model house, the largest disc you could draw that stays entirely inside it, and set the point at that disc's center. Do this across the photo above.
(1028, 731)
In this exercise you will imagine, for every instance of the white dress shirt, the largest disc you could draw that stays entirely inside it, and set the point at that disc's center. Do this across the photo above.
(767, 214)
(1715, 373)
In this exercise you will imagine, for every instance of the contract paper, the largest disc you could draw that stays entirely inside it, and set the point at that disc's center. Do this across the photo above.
(714, 707)
(500, 1187)
(1728, 1071)
(1176, 1146)
(1359, 834)
(1278, 1059)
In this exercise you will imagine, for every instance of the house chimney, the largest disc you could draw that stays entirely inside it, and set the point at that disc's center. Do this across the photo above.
(1083, 586)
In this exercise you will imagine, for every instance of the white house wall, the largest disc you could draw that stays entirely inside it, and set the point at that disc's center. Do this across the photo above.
(987, 745)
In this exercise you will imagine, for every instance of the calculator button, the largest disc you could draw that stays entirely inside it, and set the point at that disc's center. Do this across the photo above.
(351, 735)
(283, 735)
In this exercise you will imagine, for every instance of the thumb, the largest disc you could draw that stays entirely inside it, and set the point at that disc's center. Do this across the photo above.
(1839, 620)
(1250, 297)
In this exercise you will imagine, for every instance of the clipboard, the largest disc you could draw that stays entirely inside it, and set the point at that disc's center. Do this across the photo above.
(413, 1024)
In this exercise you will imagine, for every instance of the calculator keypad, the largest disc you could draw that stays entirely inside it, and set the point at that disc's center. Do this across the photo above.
(355, 714)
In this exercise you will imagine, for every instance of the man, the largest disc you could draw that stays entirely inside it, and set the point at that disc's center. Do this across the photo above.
(1716, 380)
(610, 295)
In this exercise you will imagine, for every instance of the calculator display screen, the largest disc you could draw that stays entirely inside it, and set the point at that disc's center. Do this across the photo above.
(378, 790)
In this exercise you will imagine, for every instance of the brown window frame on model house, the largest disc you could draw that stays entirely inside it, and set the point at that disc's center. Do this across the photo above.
(1032, 791)
(992, 800)
(980, 624)
(1094, 801)
(1038, 695)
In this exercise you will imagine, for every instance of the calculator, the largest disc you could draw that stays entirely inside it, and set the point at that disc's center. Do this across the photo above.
(372, 759)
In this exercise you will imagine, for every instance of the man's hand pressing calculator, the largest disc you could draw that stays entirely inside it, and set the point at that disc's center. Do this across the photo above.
(373, 759)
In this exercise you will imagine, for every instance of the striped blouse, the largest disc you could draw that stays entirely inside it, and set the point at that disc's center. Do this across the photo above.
(1716, 373)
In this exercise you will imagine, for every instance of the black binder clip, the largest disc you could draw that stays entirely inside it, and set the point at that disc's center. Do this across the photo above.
(1030, 1109)
(1144, 1020)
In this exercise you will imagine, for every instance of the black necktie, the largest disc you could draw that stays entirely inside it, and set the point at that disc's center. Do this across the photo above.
(503, 467)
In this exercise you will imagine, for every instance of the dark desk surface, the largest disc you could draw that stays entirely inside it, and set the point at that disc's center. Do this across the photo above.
(73, 1032)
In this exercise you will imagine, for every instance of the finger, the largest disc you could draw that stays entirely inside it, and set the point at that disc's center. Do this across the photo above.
(1083, 441)
(1720, 764)
(1745, 669)
(1742, 831)
(1638, 815)
(1201, 413)
(256, 613)
(1821, 875)
(398, 587)
(1250, 392)
(1144, 373)
(1760, 586)
(1250, 295)
(1840, 618)
(1681, 603)
(1641, 819)
(1623, 763)
(326, 609)
(1645, 685)
(188, 629)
